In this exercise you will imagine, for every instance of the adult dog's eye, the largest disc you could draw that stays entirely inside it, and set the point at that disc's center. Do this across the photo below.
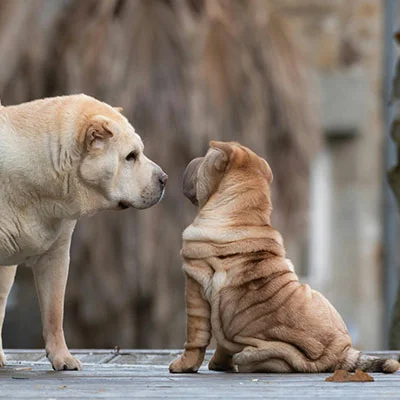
(132, 156)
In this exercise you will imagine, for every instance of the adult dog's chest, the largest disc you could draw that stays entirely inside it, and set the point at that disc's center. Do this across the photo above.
(24, 238)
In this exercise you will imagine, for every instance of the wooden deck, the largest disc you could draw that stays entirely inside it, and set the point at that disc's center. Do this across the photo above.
(144, 374)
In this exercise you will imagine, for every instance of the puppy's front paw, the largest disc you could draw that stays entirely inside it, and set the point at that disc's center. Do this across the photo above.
(2, 359)
(64, 361)
(179, 366)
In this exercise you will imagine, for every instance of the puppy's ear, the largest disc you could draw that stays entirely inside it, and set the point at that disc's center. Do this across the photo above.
(190, 180)
(119, 109)
(268, 173)
(222, 156)
(98, 132)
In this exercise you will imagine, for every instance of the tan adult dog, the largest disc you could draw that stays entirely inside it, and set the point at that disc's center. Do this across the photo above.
(241, 287)
(61, 158)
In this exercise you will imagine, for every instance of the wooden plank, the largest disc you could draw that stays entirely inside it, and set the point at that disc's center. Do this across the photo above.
(144, 374)
(26, 356)
(153, 358)
(97, 358)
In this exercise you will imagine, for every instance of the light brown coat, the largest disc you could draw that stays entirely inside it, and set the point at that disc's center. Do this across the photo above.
(240, 286)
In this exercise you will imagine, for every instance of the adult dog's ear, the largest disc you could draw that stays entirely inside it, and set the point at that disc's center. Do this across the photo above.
(222, 155)
(190, 180)
(99, 130)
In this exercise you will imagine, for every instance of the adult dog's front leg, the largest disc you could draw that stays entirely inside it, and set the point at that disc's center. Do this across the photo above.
(7, 275)
(198, 329)
(50, 274)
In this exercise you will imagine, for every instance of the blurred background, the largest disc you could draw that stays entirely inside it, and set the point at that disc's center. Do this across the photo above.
(305, 83)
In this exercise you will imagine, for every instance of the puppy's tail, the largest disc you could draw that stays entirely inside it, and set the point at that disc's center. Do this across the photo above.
(358, 360)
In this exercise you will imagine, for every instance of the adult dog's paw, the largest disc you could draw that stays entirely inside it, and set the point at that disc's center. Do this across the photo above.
(179, 367)
(64, 361)
(2, 359)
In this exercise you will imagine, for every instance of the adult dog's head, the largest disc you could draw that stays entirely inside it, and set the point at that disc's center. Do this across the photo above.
(232, 177)
(113, 162)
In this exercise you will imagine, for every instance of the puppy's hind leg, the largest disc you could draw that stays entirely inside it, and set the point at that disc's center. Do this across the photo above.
(221, 360)
(263, 352)
(7, 275)
(273, 365)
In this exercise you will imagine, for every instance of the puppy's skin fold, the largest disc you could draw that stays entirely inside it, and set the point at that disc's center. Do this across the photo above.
(61, 158)
(241, 288)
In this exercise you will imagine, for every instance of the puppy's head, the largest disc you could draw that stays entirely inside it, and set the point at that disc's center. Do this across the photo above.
(227, 169)
(113, 162)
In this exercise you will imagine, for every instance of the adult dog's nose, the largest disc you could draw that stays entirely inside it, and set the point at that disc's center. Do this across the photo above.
(163, 179)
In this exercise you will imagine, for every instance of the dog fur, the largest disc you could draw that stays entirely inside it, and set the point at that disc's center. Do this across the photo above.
(241, 288)
(62, 158)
